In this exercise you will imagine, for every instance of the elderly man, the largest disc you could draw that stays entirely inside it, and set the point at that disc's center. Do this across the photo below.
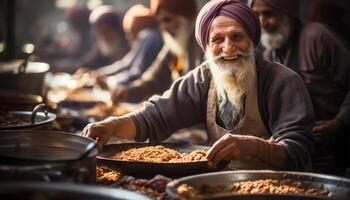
(244, 101)
(111, 43)
(179, 55)
(146, 41)
(280, 30)
(320, 56)
(324, 65)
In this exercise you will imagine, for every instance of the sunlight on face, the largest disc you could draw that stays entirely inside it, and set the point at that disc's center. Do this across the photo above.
(228, 41)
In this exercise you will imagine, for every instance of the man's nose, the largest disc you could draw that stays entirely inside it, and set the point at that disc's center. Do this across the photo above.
(229, 46)
(263, 21)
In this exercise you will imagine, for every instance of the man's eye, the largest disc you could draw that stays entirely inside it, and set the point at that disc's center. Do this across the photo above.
(237, 37)
(166, 19)
(216, 40)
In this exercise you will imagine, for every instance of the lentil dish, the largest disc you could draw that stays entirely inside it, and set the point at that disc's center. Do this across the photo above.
(159, 154)
(263, 186)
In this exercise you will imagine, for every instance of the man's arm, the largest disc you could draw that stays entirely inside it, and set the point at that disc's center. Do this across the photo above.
(182, 106)
(123, 127)
(155, 80)
(287, 113)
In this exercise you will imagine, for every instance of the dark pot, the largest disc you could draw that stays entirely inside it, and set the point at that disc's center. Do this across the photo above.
(28, 79)
(13, 100)
(47, 156)
(29, 119)
(67, 191)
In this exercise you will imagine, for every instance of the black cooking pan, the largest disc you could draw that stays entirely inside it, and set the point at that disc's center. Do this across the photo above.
(338, 187)
(147, 169)
(30, 119)
(13, 100)
(66, 191)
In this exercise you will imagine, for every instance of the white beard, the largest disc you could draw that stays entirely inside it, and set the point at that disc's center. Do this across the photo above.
(233, 82)
(275, 40)
(178, 43)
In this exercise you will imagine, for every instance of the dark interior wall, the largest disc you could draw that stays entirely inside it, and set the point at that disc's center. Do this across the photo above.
(34, 18)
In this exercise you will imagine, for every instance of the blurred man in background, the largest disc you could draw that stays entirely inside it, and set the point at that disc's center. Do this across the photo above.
(145, 39)
(324, 64)
(180, 52)
(280, 30)
(110, 40)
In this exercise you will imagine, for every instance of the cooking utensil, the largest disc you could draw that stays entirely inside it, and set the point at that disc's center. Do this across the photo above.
(67, 191)
(13, 100)
(338, 187)
(52, 155)
(13, 79)
(147, 169)
(35, 120)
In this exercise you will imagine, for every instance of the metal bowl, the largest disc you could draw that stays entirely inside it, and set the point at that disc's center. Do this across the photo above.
(32, 119)
(338, 187)
(148, 169)
(67, 191)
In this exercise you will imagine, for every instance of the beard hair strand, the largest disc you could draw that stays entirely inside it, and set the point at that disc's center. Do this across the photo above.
(233, 82)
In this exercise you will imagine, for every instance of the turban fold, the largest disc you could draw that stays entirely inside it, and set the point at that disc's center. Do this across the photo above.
(106, 15)
(230, 8)
(286, 7)
(186, 8)
(137, 18)
(78, 15)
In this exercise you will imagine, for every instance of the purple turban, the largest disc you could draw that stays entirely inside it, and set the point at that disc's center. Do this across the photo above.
(230, 8)
(286, 7)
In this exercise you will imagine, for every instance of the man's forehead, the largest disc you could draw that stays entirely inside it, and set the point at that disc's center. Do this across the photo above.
(166, 13)
(224, 23)
(261, 5)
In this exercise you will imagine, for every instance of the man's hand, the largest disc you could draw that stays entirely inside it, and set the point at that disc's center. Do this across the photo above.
(123, 127)
(230, 147)
(99, 131)
(119, 94)
(325, 131)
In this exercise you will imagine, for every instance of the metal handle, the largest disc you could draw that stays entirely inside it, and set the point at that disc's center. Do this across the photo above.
(36, 109)
(88, 149)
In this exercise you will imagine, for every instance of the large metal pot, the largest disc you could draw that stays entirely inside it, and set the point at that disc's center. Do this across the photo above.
(26, 78)
(338, 187)
(27, 120)
(13, 100)
(58, 191)
(47, 156)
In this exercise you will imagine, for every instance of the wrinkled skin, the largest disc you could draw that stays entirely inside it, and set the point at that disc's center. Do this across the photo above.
(230, 147)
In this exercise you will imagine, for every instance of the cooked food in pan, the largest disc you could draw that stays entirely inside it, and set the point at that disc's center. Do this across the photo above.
(106, 175)
(6, 119)
(159, 154)
(271, 186)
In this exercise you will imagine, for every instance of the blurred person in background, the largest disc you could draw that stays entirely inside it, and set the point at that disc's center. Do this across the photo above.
(321, 56)
(179, 54)
(243, 100)
(325, 66)
(141, 28)
(110, 40)
(67, 48)
(281, 28)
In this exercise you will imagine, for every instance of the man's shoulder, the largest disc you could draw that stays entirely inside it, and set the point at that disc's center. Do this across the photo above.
(274, 71)
(202, 71)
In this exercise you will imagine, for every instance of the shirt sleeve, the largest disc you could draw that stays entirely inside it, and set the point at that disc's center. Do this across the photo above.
(150, 44)
(182, 106)
(323, 49)
(288, 114)
(155, 80)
